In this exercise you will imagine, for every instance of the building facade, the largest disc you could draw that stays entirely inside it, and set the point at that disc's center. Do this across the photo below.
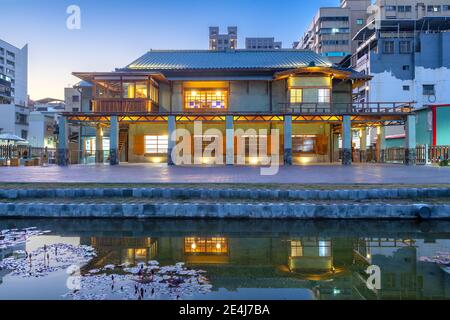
(14, 109)
(291, 106)
(262, 44)
(405, 49)
(332, 29)
(222, 42)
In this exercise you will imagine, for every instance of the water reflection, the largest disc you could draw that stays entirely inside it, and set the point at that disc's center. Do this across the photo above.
(296, 260)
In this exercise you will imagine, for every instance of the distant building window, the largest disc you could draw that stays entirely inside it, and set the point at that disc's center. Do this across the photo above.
(335, 54)
(434, 8)
(388, 47)
(324, 96)
(156, 144)
(296, 95)
(405, 47)
(359, 21)
(428, 90)
(446, 7)
(10, 54)
(404, 8)
(406, 67)
(10, 63)
(390, 8)
(75, 99)
(334, 42)
(334, 19)
(24, 134)
(334, 30)
(406, 88)
(75, 109)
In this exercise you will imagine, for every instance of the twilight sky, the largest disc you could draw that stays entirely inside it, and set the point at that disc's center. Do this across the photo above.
(114, 33)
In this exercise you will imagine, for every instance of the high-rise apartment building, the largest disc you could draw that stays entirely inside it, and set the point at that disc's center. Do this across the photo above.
(332, 29)
(222, 42)
(14, 109)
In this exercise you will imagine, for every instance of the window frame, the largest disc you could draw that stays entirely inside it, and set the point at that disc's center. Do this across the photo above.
(425, 91)
(161, 146)
(385, 42)
(224, 97)
(409, 46)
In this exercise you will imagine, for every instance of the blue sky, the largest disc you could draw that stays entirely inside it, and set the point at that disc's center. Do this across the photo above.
(114, 33)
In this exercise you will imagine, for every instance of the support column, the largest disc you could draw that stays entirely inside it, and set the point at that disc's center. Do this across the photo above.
(171, 127)
(363, 145)
(380, 144)
(99, 144)
(346, 141)
(335, 157)
(229, 140)
(288, 140)
(410, 140)
(63, 152)
(114, 141)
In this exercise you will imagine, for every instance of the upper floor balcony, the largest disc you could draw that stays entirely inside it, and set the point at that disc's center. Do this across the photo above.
(124, 105)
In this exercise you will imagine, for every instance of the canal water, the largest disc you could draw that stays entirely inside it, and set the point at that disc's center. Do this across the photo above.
(236, 259)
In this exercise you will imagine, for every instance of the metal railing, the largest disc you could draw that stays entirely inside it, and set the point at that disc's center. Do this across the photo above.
(354, 107)
(424, 154)
(22, 154)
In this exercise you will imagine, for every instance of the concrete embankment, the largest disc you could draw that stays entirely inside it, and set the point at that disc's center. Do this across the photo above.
(215, 210)
(254, 204)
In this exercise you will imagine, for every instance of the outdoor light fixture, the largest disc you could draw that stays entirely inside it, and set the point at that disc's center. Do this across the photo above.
(253, 160)
(218, 246)
(193, 246)
(157, 160)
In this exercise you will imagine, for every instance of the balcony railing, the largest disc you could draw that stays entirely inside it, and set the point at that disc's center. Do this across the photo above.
(123, 105)
(355, 107)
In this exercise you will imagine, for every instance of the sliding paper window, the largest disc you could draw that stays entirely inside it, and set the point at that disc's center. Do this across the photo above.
(205, 99)
(156, 144)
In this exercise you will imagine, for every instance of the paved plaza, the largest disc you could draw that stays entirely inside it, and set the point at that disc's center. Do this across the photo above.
(149, 173)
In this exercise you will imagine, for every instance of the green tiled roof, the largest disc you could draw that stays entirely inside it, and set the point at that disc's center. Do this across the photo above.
(222, 60)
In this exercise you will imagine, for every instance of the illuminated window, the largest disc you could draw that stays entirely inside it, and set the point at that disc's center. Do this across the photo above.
(128, 90)
(205, 99)
(324, 96)
(156, 144)
(141, 90)
(296, 248)
(305, 143)
(296, 95)
(324, 248)
(213, 245)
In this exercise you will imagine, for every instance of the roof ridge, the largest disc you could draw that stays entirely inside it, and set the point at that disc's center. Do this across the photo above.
(226, 51)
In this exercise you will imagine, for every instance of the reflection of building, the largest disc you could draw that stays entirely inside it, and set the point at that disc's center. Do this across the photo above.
(332, 268)
(206, 250)
(115, 250)
(311, 255)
